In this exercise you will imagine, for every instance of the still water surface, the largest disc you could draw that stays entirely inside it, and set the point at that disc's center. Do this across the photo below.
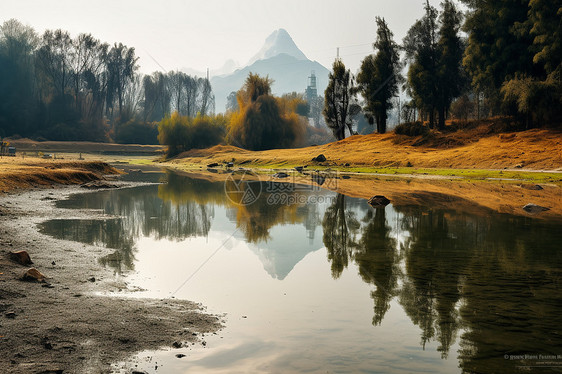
(327, 284)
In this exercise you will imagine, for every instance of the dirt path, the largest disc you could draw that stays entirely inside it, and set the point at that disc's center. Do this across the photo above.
(63, 326)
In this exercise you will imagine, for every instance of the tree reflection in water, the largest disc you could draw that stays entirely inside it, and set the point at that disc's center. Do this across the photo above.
(494, 279)
(378, 261)
(435, 260)
(102, 232)
(179, 210)
(340, 228)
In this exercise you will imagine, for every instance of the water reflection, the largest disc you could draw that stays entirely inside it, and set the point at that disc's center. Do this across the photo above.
(495, 277)
(435, 261)
(180, 208)
(378, 260)
(489, 282)
(340, 227)
(107, 232)
(172, 211)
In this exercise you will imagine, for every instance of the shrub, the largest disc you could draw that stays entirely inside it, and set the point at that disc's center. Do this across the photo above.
(263, 124)
(206, 131)
(180, 133)
(83, 130)
(463, 108)
(538, 101)
(411, 129)
(264, 121)
(136, 132)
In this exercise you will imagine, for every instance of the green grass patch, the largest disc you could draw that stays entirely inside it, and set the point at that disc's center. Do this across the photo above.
(470, 174)
(140, 161)
(473, 174)
(467, 174)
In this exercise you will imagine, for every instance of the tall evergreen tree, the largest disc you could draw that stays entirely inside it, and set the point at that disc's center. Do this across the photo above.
(379, 76)
(339, 101)
(422, 51)
(546, 30)
(498, 44)
(451, 49)
(435, 50)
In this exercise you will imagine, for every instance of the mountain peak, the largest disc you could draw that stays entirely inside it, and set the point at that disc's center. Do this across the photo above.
(278, 42)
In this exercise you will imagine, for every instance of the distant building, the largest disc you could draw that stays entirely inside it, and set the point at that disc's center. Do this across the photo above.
(311, 92)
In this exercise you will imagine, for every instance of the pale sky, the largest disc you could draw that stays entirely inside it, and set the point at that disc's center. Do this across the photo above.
(206, 33)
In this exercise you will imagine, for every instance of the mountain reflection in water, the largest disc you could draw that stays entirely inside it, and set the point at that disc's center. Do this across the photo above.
(488, 281)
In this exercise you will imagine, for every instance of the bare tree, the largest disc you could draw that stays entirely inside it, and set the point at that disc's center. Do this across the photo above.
(54, 59)
(206, 97)
(121, 67)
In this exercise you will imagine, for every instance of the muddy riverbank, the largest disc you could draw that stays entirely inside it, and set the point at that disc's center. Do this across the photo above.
(63, 325)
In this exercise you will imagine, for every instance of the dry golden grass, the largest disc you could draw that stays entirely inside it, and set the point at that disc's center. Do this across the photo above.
(537, 149)
(30, 146)
(16, 173)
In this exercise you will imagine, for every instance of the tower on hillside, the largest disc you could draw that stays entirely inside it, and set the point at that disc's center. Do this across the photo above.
(311, 91)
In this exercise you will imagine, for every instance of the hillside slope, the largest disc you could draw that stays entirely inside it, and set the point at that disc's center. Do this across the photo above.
(537, 149)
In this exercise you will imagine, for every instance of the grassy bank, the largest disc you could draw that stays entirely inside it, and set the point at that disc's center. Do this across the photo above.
(478, 169)
(475, 153)
(30, 147)
(18, 173)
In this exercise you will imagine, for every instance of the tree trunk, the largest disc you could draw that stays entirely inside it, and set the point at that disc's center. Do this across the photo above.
(441, 124)
(381, 124)
(178, 100)
(381, 120)
(478, 106)
(431, 118)
(341, 133)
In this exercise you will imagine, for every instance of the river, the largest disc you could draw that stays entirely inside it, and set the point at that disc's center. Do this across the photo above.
(309, 280)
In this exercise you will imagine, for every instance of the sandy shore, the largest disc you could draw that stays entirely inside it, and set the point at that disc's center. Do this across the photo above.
(63, 325)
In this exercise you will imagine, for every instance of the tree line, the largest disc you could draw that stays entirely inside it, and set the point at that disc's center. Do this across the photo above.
(500, 58)
(57, 87)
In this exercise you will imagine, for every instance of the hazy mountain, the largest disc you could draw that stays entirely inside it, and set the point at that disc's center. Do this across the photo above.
(229, 67)
(282, 60)
(277, 43)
